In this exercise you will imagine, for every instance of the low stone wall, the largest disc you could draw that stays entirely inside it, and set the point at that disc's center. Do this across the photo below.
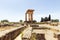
(12, 34)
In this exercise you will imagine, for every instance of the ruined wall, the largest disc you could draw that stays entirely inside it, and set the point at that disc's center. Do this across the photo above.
(12, 35)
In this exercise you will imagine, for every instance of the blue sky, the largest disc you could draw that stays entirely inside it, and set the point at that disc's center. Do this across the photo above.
(14, 10)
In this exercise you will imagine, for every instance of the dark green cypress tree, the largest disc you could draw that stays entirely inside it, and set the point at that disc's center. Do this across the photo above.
(49, 17)
(41, 19)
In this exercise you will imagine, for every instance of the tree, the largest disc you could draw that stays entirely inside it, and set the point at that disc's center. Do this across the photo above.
(49, 17)
(41, 19)
(46, 19)
(56, 20)
(21, 21)
(34, 21)
(4, 21)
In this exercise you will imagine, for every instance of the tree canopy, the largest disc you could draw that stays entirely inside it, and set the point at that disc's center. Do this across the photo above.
(4, 21)
(56, 20)
(21, 21)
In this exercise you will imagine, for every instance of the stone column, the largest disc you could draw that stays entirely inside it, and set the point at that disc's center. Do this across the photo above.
(25, 16)
(31, 17)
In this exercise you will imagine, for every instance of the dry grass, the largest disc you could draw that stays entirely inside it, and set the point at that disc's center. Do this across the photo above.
(6, 28)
